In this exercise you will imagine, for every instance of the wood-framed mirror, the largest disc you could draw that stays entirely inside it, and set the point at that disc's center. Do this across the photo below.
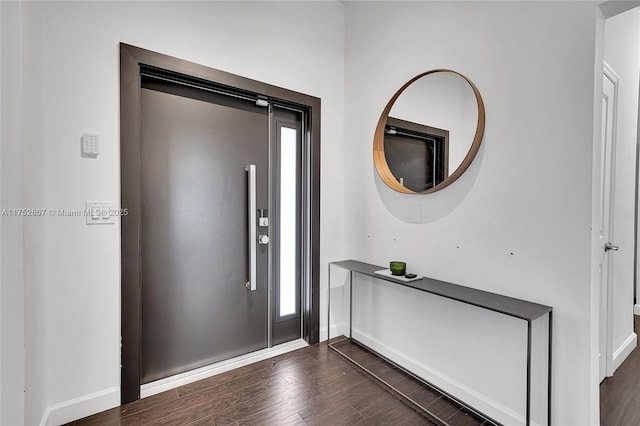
(429, 132)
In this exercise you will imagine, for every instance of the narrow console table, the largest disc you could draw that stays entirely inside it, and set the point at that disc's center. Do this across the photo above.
(517, 308)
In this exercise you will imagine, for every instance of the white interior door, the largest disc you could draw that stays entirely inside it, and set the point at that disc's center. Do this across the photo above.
(605, 231)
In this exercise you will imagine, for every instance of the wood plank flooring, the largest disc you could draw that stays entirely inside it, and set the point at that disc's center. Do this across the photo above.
(431, 399)
(620, 394)
(316, 386)
(310, 386)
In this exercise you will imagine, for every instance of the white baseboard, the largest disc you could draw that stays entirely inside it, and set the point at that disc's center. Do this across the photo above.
(77, 408)
(636, 309)
(218, 368)
(476, 400)
(620, 354)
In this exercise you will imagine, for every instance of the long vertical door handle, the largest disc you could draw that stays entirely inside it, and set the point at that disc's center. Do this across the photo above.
(251, 231)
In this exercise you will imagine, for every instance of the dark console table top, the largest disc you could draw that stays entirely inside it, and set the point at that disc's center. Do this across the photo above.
(495, 302)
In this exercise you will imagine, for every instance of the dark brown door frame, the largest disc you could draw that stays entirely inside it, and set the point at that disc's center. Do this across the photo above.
(131, 60)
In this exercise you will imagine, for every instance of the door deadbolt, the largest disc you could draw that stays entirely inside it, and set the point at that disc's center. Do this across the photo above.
(263, 239)
(263, 217)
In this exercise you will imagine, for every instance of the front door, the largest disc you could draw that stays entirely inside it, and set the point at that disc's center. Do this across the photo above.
(204, 173)
(220, 249)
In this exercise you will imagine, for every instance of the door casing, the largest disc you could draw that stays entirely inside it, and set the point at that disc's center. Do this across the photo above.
(131, 60)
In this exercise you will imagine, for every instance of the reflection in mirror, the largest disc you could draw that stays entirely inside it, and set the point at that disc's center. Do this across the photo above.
(429, 132)
(417, 155)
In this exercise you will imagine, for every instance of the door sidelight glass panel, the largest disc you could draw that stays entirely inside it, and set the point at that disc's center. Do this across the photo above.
(288, 184)
(288, 190)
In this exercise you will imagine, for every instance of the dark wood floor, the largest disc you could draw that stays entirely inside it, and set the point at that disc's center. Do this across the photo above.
(312, 386)
(620, 394)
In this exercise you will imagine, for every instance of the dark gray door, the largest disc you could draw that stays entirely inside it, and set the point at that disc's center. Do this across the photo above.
(196, 307)
(184, 240)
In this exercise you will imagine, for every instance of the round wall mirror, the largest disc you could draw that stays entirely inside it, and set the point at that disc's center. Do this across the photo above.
(429, 132)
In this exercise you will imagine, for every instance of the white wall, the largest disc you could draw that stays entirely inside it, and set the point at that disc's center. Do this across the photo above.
(518, 222)
(73, 282)
(12, 316)
(36, 286)
(622, 53)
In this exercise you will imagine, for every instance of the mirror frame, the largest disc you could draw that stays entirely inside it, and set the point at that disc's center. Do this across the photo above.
(380, 159)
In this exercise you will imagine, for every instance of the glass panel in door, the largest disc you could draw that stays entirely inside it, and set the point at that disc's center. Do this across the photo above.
(288, 207)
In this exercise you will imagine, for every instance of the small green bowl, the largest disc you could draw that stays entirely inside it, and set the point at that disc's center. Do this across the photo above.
(398, 268)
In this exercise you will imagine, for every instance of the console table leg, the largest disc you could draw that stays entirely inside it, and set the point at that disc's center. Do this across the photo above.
(549, 370)
(329, 303)
(350, 304)
(528, 420)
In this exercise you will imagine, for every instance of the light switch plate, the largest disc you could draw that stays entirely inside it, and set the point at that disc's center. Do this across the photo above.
(100, 213)
(414, 213)
(90, 145)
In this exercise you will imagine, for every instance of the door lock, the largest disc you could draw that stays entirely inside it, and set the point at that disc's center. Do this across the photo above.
(263, 239)
(263, 217)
